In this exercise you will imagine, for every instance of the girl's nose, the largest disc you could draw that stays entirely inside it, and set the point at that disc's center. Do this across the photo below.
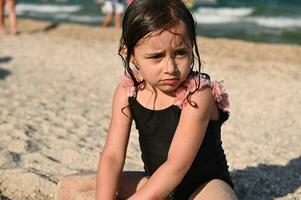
(171, 66)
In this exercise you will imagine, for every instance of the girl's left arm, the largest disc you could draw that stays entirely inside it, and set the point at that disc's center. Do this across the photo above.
(183, 149)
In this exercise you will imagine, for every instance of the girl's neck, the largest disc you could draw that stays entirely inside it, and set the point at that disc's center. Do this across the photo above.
(154, 99)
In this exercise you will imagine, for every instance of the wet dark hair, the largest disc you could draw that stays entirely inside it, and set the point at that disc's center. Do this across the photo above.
(144, 16)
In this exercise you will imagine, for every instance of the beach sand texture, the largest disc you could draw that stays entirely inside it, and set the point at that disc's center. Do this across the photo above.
(56, 85)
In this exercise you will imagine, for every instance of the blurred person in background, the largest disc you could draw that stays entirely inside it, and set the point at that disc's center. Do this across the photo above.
(113, 9)
(11, 4)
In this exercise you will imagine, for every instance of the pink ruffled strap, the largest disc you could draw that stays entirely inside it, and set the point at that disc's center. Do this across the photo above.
(128, 83)
(190, 85)
(187, 87)
(220, 95)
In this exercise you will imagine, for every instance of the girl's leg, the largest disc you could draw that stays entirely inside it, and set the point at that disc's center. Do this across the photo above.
(75, 184)
(11, 4)
(82, 186)
(215, 189)
(107, 20)
(2, 3)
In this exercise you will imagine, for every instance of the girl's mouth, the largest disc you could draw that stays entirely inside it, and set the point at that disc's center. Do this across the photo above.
(169, 81)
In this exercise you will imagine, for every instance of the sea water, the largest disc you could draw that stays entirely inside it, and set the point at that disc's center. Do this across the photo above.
(272, 21)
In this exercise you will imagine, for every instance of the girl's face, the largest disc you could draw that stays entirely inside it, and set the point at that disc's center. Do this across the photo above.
(164, 58)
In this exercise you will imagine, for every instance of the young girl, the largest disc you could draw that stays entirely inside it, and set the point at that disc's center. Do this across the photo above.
(177, 110)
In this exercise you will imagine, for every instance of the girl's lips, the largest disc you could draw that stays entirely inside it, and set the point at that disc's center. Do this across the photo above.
(169, 81)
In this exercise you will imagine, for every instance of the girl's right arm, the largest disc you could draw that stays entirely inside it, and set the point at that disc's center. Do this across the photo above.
(113, 155)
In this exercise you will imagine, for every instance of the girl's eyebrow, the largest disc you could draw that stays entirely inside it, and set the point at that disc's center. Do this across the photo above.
(154, 53)
(182, 47)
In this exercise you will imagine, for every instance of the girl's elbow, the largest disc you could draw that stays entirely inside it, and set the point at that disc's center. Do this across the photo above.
(111, 160)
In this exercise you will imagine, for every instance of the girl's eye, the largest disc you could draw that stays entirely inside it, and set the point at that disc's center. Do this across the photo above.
(181, 53)
(156, 57)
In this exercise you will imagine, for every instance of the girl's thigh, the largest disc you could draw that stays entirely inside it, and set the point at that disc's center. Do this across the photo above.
(81, 183)
(76, 185)
(215, 189)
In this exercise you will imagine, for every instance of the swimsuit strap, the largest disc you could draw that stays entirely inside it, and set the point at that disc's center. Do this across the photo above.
(194, 82)
(198, 82)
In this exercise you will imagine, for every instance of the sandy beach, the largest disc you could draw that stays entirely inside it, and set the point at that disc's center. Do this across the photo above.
(56, 85)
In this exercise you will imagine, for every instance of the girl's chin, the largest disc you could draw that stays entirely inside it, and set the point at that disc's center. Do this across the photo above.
(168, 89)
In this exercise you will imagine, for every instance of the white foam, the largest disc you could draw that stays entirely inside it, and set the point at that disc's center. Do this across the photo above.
(85, 18)
(221, 15)
(23, 8)
(242, 15)
(276, 22)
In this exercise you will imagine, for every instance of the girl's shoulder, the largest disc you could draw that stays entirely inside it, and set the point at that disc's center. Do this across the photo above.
(197, 82)
(127, 83)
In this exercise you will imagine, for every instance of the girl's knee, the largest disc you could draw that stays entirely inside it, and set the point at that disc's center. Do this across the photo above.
(75, 184)
(64, 188)
(63, 183)
(214, 189)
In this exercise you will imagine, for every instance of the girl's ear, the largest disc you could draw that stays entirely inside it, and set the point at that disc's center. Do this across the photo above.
(124, 51)
(134, 62)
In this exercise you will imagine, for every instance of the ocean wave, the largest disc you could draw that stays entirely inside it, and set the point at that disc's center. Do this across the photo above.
(48, 9)
(276, 22)
(221, 15)
(79, 18)
(242, 15)
(69, 17)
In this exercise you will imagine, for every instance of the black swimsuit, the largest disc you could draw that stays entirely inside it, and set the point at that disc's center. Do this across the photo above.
(156, 129)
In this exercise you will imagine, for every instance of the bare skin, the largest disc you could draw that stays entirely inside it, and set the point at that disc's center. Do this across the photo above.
(109, 17)
(11, 4)
(118, 19)
(116, 16)
(214, 190)
(107, 20)
(2, 28)
(82, 186)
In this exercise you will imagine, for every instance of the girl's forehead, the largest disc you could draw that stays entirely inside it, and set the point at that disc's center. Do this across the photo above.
(174, 36)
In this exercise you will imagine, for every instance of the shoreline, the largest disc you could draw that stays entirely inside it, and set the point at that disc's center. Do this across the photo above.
(35, 25)
(240, 48)
(56, 83)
